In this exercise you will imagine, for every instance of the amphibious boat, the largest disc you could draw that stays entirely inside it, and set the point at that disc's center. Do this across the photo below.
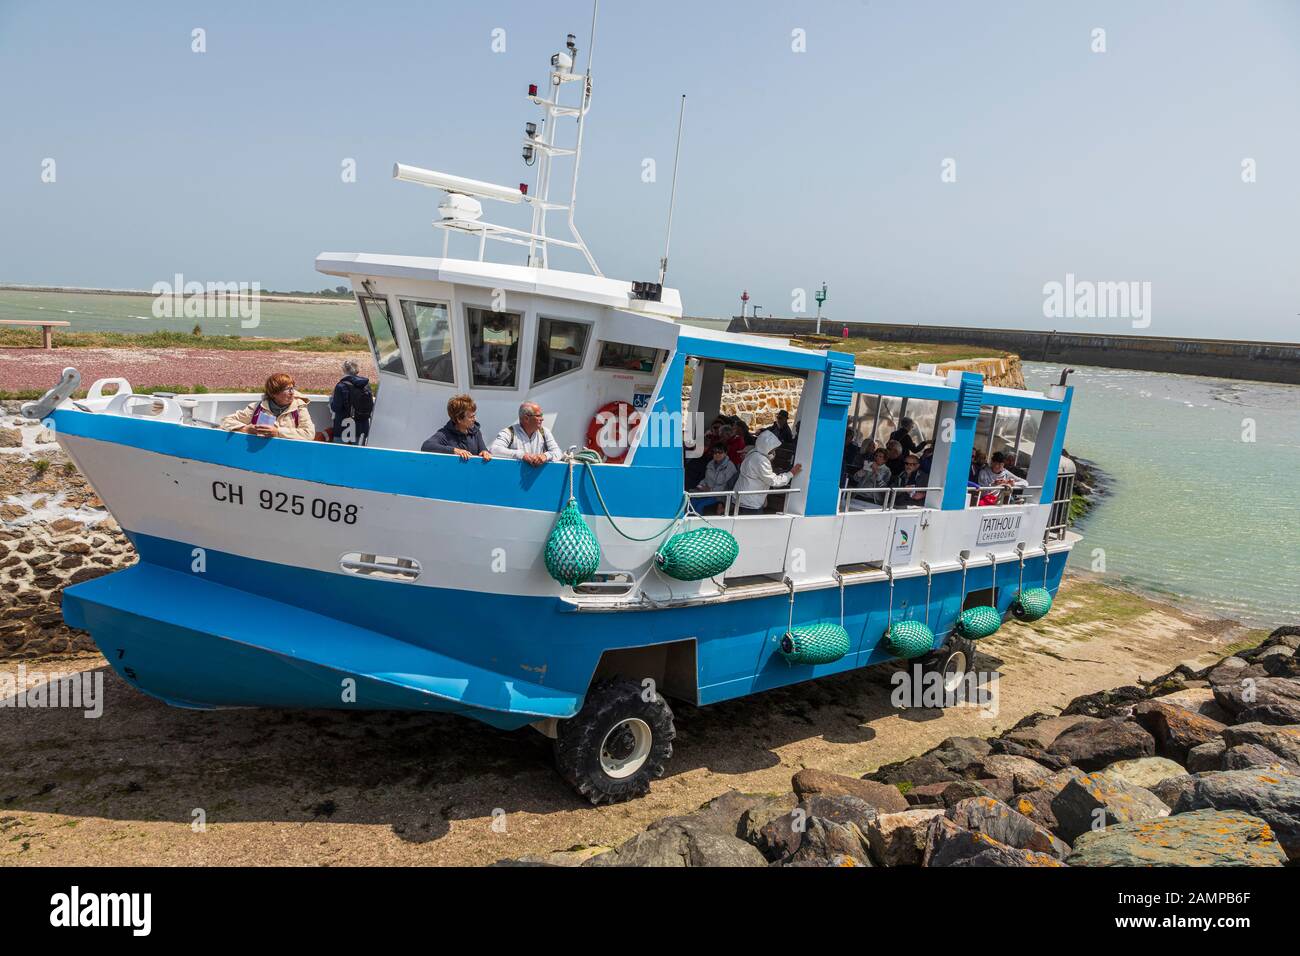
(309, 574)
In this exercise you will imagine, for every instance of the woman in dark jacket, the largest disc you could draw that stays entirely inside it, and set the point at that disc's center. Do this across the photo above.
(461, 435)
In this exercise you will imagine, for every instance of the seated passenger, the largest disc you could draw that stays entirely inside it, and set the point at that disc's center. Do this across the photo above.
(911, 477)
(977, 465)
(720, 475)
(528, 439)
(781, 427)
(875, 473)
(997, 475)
(894, 458)
(461, 435)
(279, 413)
(757, 476)
(735, 442)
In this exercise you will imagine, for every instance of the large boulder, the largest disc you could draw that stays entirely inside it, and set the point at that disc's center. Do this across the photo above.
(826, 844)
(1037, 804)
(680, 844)
(1095, 745)
(1199, 700)
(1281, 740)
(962, 755)
(1040, 731)
(915, 772)
(1272, 797)
(948, 844)
(1012, 748)
(727, 814)
(821, 826)
(1096, 801)
(1255, 757)
(1208, 756)
(1171, 789)
(898, 839)
(1175, 729)
(1025, 774)
(1260, 694)
(884, 797)
(1144, 772)
(1105, 703)
(995, 819)
(1199, 838)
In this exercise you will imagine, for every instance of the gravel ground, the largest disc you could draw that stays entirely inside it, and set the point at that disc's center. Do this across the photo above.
(22, 369)
(326, 788)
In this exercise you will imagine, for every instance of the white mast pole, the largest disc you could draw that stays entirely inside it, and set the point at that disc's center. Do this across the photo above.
(584, 105)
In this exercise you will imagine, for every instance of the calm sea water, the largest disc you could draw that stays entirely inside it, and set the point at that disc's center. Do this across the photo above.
(1195, 511)
(92, 312)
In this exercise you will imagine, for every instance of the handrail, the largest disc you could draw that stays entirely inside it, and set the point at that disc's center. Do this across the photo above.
(849, 492)
(1007, 492)
(735, 495)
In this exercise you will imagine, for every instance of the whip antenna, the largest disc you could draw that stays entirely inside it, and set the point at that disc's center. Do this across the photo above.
(672, 198)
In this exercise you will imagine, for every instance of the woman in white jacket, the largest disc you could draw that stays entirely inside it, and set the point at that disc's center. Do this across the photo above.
(757, 474)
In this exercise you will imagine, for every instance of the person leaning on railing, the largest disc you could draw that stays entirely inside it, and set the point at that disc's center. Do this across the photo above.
(461, 436)
(279, 413)
(528, 439)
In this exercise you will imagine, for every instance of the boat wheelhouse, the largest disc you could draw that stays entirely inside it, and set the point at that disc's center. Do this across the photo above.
(300, 574)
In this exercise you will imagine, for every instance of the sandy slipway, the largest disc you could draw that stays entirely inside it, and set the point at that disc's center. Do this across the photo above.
(22, 370)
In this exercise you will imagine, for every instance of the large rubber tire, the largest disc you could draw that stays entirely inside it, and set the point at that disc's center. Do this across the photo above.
(611, 722)
(949, 657)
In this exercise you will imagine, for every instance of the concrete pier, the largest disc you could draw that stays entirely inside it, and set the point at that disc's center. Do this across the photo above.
(1222, 358)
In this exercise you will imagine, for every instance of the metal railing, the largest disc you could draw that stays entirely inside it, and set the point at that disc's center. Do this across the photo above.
(1058, 519)
(1007, 494)
(731, 499)
(885, 499)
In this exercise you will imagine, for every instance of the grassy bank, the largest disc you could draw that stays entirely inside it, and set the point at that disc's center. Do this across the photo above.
(31, 338)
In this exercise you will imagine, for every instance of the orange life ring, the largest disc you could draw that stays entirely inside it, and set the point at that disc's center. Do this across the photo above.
(612, 412)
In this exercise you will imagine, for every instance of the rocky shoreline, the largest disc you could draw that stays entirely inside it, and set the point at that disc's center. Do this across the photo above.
(1194, 768)
(54, 531)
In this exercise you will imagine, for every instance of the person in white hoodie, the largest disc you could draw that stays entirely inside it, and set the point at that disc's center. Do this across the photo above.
(757, 474)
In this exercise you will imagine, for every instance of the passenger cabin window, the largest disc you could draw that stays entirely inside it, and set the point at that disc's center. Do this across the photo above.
(629, 358)
(493, 348)
(379, 323)
(428, 326)
(561, 345)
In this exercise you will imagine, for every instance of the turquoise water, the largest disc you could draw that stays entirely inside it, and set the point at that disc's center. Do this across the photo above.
(91, 312)
(1195, 511)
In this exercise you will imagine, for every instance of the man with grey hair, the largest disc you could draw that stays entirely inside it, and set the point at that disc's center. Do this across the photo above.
(527, 439)
(352, 404)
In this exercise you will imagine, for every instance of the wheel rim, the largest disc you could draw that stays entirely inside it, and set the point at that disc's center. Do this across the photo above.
(626, 748)
(954, 671)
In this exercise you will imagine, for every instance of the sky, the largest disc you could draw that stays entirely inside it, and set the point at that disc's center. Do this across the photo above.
(931, 162)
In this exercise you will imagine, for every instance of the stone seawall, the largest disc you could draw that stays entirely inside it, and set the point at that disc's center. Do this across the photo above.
(758, 402)
(1255, 361)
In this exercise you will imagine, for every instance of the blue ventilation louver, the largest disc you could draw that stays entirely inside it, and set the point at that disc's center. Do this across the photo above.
(971, 396)
(839, 378)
